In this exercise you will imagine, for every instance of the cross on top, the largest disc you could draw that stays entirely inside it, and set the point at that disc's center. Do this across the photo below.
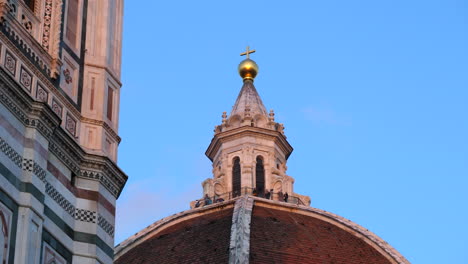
(247, 52)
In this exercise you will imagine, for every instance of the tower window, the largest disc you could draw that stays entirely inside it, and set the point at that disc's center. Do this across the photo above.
(91, 102)
(260, 176)
(236, 177)
(110, 99)
(72, 22)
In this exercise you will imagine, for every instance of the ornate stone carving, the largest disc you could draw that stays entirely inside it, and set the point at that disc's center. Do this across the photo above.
(10, 63)
(224, 120)
(271, 116)
(57, 108)
(47, 24)
(51, 33)
(41, 94)
(25, 78)
(27, 24)
(70, 125)
(219, 189)
(67, 75)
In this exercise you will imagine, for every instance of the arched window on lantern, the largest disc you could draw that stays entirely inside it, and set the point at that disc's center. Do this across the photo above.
(236, 177)
(260, 176)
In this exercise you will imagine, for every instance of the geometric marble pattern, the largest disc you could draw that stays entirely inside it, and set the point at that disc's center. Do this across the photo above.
(39, 172)
(31, 166)
(28, 164)
(85, 215)
(10, 153)
(58, 198)
(106, 226)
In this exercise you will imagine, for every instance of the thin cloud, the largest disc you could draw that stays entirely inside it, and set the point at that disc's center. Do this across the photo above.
(146, 204)
(324, 115)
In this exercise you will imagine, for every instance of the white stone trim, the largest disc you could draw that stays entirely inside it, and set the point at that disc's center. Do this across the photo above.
(239, 246)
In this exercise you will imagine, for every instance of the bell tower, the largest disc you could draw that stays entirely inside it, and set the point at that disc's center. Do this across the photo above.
(249, 149)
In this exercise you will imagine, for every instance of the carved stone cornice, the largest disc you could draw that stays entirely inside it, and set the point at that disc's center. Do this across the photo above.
(246, 131)
(61, 144)
(29, 112)
(87, 165)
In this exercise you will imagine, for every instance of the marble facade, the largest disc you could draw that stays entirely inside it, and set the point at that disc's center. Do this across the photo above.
(59, 101)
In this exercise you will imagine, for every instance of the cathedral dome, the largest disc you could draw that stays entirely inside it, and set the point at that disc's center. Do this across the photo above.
(248, 69)
(234, 224)
(255, 230)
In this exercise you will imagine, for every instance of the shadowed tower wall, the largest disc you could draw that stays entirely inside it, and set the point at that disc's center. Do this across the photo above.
(60, 63)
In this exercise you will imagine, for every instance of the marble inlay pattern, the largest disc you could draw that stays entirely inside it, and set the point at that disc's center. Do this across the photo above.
(30, 165)
(105, 225)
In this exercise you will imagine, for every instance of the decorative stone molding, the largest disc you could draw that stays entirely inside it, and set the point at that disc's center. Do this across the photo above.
(16, 33)
(39, 74)
(46, 121)
(246, 131)
(51, 32)
(66, 149)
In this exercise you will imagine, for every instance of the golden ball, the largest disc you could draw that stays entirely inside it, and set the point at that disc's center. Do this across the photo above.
(248, 69)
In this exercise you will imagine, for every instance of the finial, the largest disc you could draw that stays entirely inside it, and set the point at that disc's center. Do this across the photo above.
(272, 116)
(247, 52)
(248, 69)
(224, 116)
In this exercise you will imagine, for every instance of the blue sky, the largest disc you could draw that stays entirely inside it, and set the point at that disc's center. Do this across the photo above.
(373, 96)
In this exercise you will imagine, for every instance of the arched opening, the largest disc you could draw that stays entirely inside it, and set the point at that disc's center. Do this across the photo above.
(236, 177)
(3, 238)
(260, 177)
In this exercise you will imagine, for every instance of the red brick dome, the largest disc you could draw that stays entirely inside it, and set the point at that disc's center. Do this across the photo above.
(255, 230)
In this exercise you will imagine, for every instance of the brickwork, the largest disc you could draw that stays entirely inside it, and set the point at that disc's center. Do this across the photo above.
(285, 237)
(204, 239)
(261, 231)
